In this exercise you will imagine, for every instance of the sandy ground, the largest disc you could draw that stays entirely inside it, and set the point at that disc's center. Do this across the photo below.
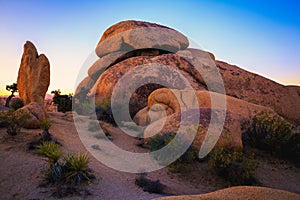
(22, 171)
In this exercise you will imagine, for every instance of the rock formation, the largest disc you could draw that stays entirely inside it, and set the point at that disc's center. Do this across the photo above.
(34, 75)
(33, 82)
(135, 50)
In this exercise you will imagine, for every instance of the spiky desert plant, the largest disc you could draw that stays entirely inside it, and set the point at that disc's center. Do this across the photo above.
(76, 168)
(50, 150)
(45, 126)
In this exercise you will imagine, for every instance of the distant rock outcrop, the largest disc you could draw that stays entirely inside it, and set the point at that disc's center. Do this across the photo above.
(33, 82)
(239, 83)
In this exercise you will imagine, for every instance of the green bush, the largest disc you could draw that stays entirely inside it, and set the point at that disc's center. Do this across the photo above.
(76, 168)
(233, 166)
(267, 132)
(13, 120)
(159, 141)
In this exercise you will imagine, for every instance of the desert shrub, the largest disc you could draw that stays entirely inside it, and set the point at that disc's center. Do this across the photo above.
(291, 150)
(76, 168)
(159, 141)
(16, 103)
(93, 126)
(3, 122)
(63, 102)
(50, 150)
(267, 132)
(13, 120)
(233, 166)
(148, 185)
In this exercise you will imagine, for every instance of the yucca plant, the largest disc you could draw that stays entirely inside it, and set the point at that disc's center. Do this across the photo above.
(45, 126)
(76, 168)
(50, 150)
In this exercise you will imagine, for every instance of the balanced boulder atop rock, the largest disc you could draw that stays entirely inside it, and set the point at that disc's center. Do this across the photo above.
(130, 35)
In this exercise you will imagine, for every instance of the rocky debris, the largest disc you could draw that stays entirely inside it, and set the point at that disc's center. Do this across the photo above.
(34, 75)
(239, 192)
(130, 35)
(36, 115)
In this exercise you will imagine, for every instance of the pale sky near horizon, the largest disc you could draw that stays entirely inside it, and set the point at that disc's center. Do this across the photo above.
(263, 38)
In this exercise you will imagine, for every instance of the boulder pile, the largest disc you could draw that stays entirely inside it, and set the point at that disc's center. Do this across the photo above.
(157, 59)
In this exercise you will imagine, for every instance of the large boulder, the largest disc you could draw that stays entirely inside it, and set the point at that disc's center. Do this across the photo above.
(35, 115)
(172, 101)
(250, 87)
(167, 70)
(34, 75)
(130, 35)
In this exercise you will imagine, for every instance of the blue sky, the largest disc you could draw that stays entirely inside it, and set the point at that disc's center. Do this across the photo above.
(261, 37)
